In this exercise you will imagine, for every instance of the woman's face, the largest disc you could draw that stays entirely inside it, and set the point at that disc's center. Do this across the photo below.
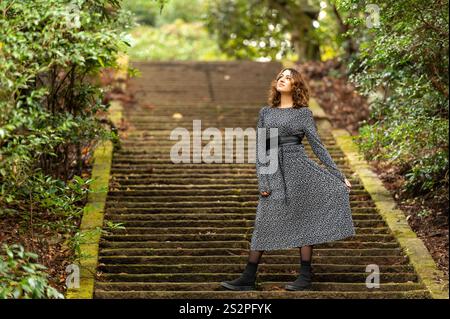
(284, 82)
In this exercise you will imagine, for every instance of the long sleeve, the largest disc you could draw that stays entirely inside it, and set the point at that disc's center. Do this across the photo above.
(317, 146)
(263, 181)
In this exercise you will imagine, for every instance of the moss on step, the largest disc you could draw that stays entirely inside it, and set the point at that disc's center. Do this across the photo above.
(93, 219)
(94, 210)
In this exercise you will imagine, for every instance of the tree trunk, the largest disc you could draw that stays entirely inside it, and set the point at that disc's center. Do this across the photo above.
(302, 31)
(306, 48)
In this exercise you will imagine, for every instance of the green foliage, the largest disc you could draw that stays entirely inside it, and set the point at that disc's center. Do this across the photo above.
(176, 33)
(143, 10)
(81, 237)
(51, 107)
(157, 13)
(403, 67)
(60, 203)
(248, 29)
(22, 277)
(424, 213)
(330, 31)
(51, 53)
(110, 225)
(177, 41)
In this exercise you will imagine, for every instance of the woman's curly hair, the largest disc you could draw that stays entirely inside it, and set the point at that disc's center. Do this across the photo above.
(300, 90)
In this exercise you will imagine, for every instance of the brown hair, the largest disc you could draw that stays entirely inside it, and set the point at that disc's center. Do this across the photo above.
(300, 90)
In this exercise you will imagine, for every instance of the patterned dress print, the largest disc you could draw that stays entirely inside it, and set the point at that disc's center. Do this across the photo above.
(318, 206)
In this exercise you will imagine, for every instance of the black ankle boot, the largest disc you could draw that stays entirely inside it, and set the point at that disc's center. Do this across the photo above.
(303, 282)
(246, 281)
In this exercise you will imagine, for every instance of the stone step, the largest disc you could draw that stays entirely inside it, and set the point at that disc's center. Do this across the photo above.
(158, 159)
(137, 173)
(285, 277)
(200, 202)
(164, 135)
(221, 145)
(226, 223)
(140, 179)
(236, 268)
(183, 180)
(181, 204)
(197, 186)
(246, 139)
(227, 137)
(184, 166)
(187, 174)
(217, 230)
(222, 209)
(134, 168)
(150, 147)
(262, 286)
(225, 237)
(409, 294)
(210, 193)
(139, 153)
(128, 216)
(241, 260)
(149, 173)
(237, 248)
(154, 170)
(130, 201)
(141, 149)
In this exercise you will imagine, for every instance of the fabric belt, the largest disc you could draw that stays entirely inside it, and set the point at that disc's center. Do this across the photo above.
(284, 140)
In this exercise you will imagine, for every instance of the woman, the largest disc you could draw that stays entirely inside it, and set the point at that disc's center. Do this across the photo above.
(301, 204)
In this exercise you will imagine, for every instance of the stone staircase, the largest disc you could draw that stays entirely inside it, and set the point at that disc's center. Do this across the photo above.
(188, 226)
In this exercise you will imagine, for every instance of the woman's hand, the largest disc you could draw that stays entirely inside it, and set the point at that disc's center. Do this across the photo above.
(347, 182)
(265, 194)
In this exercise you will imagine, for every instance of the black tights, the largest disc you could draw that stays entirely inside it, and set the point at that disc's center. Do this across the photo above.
(255, 256)
(305, 254)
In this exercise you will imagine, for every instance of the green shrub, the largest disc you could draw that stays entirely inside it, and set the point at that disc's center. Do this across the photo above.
(51, 53)
(22, 277)
(403, 65)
